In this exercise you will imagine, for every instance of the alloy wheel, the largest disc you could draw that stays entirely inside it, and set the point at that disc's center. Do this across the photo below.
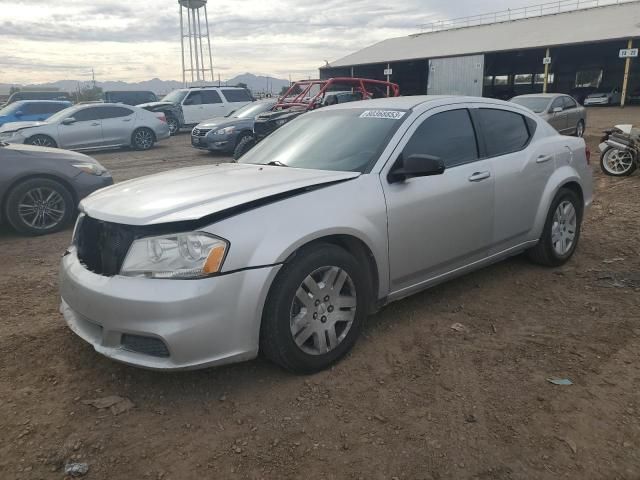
(617, 161)
(42, 141)
(564, 228)
(580, 130)
(323, 310)
(143, 139)
(42, 208)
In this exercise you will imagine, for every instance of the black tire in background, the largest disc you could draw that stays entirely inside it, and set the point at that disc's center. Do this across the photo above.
(174, 125)
(277, 342)
(608, 171)
(544, 253)
(41, 141)
(245, 144)
(143, 138)
(38, 191)
(580, 129)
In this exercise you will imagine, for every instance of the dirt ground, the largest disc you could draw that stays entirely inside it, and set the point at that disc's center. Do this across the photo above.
(414, 400)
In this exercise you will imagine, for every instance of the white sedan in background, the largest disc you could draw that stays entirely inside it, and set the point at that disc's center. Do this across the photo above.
(90, 127)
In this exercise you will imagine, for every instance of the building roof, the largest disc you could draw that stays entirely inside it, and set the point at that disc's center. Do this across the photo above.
(613, 22)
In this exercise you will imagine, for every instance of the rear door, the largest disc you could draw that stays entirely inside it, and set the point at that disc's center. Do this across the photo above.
(85, 132)
(572, 112)
(522, 169)
(117, 125)
(558, 120)
(214, 105)
(236, 98)
(440, 223)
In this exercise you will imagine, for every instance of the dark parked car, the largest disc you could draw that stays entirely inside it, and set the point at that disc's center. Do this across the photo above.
(581, 93)
(40, 187)
(130, 97)
(45, 95)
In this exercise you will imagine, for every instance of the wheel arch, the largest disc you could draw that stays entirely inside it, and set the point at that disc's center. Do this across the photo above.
(561, 179)
(39, 134)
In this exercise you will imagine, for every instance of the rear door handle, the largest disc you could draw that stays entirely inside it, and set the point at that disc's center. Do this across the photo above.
(479, 176)
(96, 124)
(126, 120)
(543, 158)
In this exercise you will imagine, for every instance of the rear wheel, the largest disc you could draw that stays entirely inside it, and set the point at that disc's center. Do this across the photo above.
(580, 129)
(244, 145)
(315, 309)
(143, 139)
(41, 141)
(39, 206)
(561, 232)
(617, 163)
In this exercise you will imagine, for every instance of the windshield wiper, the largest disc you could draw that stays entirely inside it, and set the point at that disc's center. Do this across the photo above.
(277, 163)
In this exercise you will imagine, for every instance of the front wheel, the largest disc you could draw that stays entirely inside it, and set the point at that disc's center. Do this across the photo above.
(580, 129)
(39, 206)
(244, 145)
(617, 163)
(143, 139)
(41, 141)
(315, 309)
(173, 124)
(561, 231)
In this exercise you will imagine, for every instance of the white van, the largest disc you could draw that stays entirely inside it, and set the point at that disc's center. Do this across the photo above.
(203, 103)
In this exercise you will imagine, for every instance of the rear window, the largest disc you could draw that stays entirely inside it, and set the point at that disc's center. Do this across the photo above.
(504, 131)
(239, 95)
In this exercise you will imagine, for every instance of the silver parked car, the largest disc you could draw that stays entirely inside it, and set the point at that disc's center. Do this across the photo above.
(604, 96)
(341, 211)
(562, 112)
(91, 126)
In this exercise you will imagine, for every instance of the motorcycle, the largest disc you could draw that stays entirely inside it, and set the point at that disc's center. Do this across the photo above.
(620, 150)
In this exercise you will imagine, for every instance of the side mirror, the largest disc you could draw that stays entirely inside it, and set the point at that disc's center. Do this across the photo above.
(19, 113)
(557, 110)
(68, 121)
(416, 165)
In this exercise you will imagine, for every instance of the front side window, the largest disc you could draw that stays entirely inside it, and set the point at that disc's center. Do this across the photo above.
(236, 95)
(569, 103)
(504, 131)
(346, 140)
(448, 136)
(115, 112)
(194, 98)
(557, 103)
(176, 96)
(34, 109)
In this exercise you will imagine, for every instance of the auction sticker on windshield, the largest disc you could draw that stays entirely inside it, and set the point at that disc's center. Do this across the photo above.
(388, 114)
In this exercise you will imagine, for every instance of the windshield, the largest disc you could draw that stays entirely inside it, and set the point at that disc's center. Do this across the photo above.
(10, 109)
(536, 104)
(175, 97)
(253, 109)
(320, 141)
(61, 115)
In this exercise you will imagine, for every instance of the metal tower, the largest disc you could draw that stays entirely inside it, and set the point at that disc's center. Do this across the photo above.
(193, 62)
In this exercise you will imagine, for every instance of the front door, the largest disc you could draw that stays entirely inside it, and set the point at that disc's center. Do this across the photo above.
(558, 120)
(573, 114)
(85, 132)
(440, 223)
(117, 125)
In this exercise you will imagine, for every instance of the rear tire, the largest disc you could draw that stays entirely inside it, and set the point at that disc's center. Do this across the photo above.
(39, 206)
(560, 235)
(580, 129)
(143, 139)
(244, 145)
(41, 141)
(174, 125)
(308, 324)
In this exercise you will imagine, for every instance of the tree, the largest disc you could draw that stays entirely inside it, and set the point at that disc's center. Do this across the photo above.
(13, 90)
(87, 94)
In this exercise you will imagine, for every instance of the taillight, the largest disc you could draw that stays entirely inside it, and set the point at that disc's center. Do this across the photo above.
(587, 153)
(162, 117)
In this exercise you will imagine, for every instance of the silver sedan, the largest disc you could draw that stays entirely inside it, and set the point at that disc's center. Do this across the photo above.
(562, 112)
(91, 127)
(335, 215)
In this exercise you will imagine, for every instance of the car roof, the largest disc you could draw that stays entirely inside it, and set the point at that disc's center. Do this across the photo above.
(542, 95)
(41, 101)
(407, 103)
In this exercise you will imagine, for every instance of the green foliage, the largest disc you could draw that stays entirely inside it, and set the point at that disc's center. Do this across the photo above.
(87, 94)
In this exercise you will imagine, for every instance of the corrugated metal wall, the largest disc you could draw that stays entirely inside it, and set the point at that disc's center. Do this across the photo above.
(456, 76)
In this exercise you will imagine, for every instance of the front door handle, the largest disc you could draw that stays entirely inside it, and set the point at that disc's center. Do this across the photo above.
(543, 158)
(96, 124)
(479, 176)
(126, 120)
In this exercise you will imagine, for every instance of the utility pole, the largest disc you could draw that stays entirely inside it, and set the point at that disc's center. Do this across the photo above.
(625, 83)
(545, 87)
(93, 78)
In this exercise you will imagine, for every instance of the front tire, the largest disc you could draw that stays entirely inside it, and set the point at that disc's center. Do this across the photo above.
(244, 145)
(41, 141)
(39, 206)
(580, 129)
(143, 139)
(561, 231)
(617, 163)
(315, 310)
(174, 125)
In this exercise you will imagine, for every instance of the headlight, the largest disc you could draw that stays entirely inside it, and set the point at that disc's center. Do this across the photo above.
(225, 131)
(90, 168)
(181, 255)
(8, 135)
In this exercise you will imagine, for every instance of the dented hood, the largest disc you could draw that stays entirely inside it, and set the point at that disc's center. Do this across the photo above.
(196, 192)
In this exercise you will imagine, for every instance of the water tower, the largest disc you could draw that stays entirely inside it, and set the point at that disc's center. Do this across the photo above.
(194, 67)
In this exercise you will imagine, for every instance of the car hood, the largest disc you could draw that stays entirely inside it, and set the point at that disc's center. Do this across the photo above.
(13, 126)
(196, 192)
(155, 105)
(50, 154)
(598, 95)
(222, 122)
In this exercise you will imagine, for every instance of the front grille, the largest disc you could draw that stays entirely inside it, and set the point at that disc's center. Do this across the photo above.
(200, 132)
(147, 345)
(103, 246)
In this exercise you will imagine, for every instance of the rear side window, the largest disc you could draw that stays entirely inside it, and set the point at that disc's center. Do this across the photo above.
(569, 103)
(449, 136)
(504, 131)
(114, 112)
(239, 95)
(211, 96)
(34, 109)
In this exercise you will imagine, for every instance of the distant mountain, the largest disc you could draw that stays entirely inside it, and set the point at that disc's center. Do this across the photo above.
(255, 83)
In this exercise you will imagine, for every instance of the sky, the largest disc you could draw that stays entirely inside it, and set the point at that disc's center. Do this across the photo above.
(48, 40)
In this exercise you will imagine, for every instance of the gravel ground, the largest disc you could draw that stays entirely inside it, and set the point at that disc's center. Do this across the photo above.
(414, 400)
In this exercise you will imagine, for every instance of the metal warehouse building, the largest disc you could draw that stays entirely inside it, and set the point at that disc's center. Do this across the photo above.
(568, 46)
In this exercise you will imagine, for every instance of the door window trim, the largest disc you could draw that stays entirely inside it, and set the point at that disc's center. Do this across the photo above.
(481, 133)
